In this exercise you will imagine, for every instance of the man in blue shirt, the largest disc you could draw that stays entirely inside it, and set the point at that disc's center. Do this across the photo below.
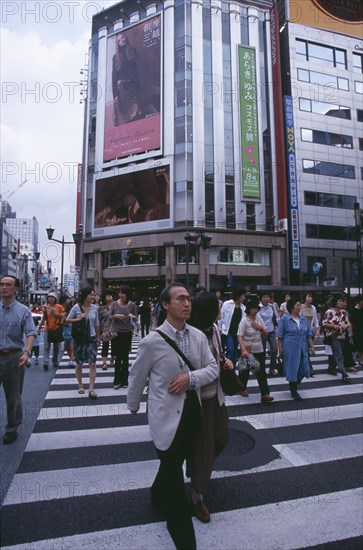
(16, 324)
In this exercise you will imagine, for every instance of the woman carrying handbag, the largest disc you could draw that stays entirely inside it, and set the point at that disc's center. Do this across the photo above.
(250, 332)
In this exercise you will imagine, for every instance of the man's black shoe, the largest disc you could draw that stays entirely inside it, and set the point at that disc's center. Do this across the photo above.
(9, 437)
(45, 366)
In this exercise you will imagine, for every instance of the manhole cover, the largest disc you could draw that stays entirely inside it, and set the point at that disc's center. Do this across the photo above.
(239, 443)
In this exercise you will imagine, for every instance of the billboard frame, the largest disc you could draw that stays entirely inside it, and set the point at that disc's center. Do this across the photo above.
(147, 154)
(136, 227)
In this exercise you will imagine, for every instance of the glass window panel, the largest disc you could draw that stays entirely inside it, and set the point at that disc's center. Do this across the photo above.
(311, 231)
(358, 87)
(357, 63)
(360, 115)
(303, 75)
(341, 58)
(343, 84)
(306, 135)
(301, 48)
(333, 169)
(310, 198)
(305, 104)
(321, 53)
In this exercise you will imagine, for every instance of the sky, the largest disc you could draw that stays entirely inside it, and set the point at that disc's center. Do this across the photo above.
(43, 47)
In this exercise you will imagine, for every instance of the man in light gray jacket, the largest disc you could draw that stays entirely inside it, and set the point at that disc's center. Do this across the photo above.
(173, 404)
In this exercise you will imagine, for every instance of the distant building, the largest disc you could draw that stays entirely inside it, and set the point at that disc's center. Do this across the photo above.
(322, 71)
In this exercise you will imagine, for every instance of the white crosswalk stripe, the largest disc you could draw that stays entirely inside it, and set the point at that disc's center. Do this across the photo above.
(91, 464)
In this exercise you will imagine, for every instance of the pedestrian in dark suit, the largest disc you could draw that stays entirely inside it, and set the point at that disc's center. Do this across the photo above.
(173, 404)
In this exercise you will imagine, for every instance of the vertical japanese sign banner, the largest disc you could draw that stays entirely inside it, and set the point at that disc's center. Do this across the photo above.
(292, 183)
(249, 123)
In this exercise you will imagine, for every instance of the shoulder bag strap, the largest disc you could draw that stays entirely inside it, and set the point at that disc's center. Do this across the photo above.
(176, 348)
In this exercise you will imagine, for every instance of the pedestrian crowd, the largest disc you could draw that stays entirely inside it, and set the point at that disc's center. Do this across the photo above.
(187, 345)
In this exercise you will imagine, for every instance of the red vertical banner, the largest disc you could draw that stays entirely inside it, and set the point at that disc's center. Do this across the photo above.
(279, 117)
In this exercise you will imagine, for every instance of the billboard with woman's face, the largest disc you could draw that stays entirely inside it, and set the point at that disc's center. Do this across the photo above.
(133, 198)
(133, 91)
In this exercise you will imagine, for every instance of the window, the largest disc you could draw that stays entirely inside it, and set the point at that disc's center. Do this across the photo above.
(327, 138)
(330, 232)
(358, 86)
(323, 79)
(90, 261)
(360, 115)
(181, 254)
(322, 108)
(357, 62)
(319, 53)
(360, 144)
(324, 168)
(134, 256)
(242, 255)
(329, 200)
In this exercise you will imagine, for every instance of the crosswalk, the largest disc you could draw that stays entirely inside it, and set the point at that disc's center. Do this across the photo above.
(290, 477)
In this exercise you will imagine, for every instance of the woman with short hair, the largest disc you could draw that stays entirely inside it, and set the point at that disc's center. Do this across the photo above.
(335, 324)
(251, 332)
(294, 340)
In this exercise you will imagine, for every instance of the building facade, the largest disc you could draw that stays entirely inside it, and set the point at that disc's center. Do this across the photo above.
(179, 140)
(19, 249)
(322, 84)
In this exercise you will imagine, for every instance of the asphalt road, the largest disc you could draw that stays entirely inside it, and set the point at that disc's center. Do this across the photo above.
(291, 476)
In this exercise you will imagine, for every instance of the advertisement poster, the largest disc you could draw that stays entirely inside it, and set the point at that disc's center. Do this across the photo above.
(249, 123)
(133, 90)
(135, 197)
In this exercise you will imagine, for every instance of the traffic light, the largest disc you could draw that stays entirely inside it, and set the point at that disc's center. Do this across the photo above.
(192, 238)
(205, 241)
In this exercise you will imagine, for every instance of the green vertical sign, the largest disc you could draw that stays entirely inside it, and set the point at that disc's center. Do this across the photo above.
(249, 123)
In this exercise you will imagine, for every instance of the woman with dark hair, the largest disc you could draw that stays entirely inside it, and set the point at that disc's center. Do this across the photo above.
(123, 312)
(85, 346)
(335, 324)
(308, 310)
(294, 338)
(251, 331)
(105, 322)
(212, 435)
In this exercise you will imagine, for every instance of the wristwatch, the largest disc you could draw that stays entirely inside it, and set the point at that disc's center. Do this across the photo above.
(28, 352)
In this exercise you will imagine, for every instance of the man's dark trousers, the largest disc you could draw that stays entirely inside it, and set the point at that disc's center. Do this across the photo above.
(168, 488)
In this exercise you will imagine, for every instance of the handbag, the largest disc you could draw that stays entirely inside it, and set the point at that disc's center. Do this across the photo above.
(231, 384)
(81, 330)
(55, 336)
(248, 363)
(109, 332)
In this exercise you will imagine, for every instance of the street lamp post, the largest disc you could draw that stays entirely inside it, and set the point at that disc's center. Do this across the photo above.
(50, 232)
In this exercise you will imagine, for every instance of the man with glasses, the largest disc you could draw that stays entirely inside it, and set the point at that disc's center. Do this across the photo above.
(16, 322)
(173, 404)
